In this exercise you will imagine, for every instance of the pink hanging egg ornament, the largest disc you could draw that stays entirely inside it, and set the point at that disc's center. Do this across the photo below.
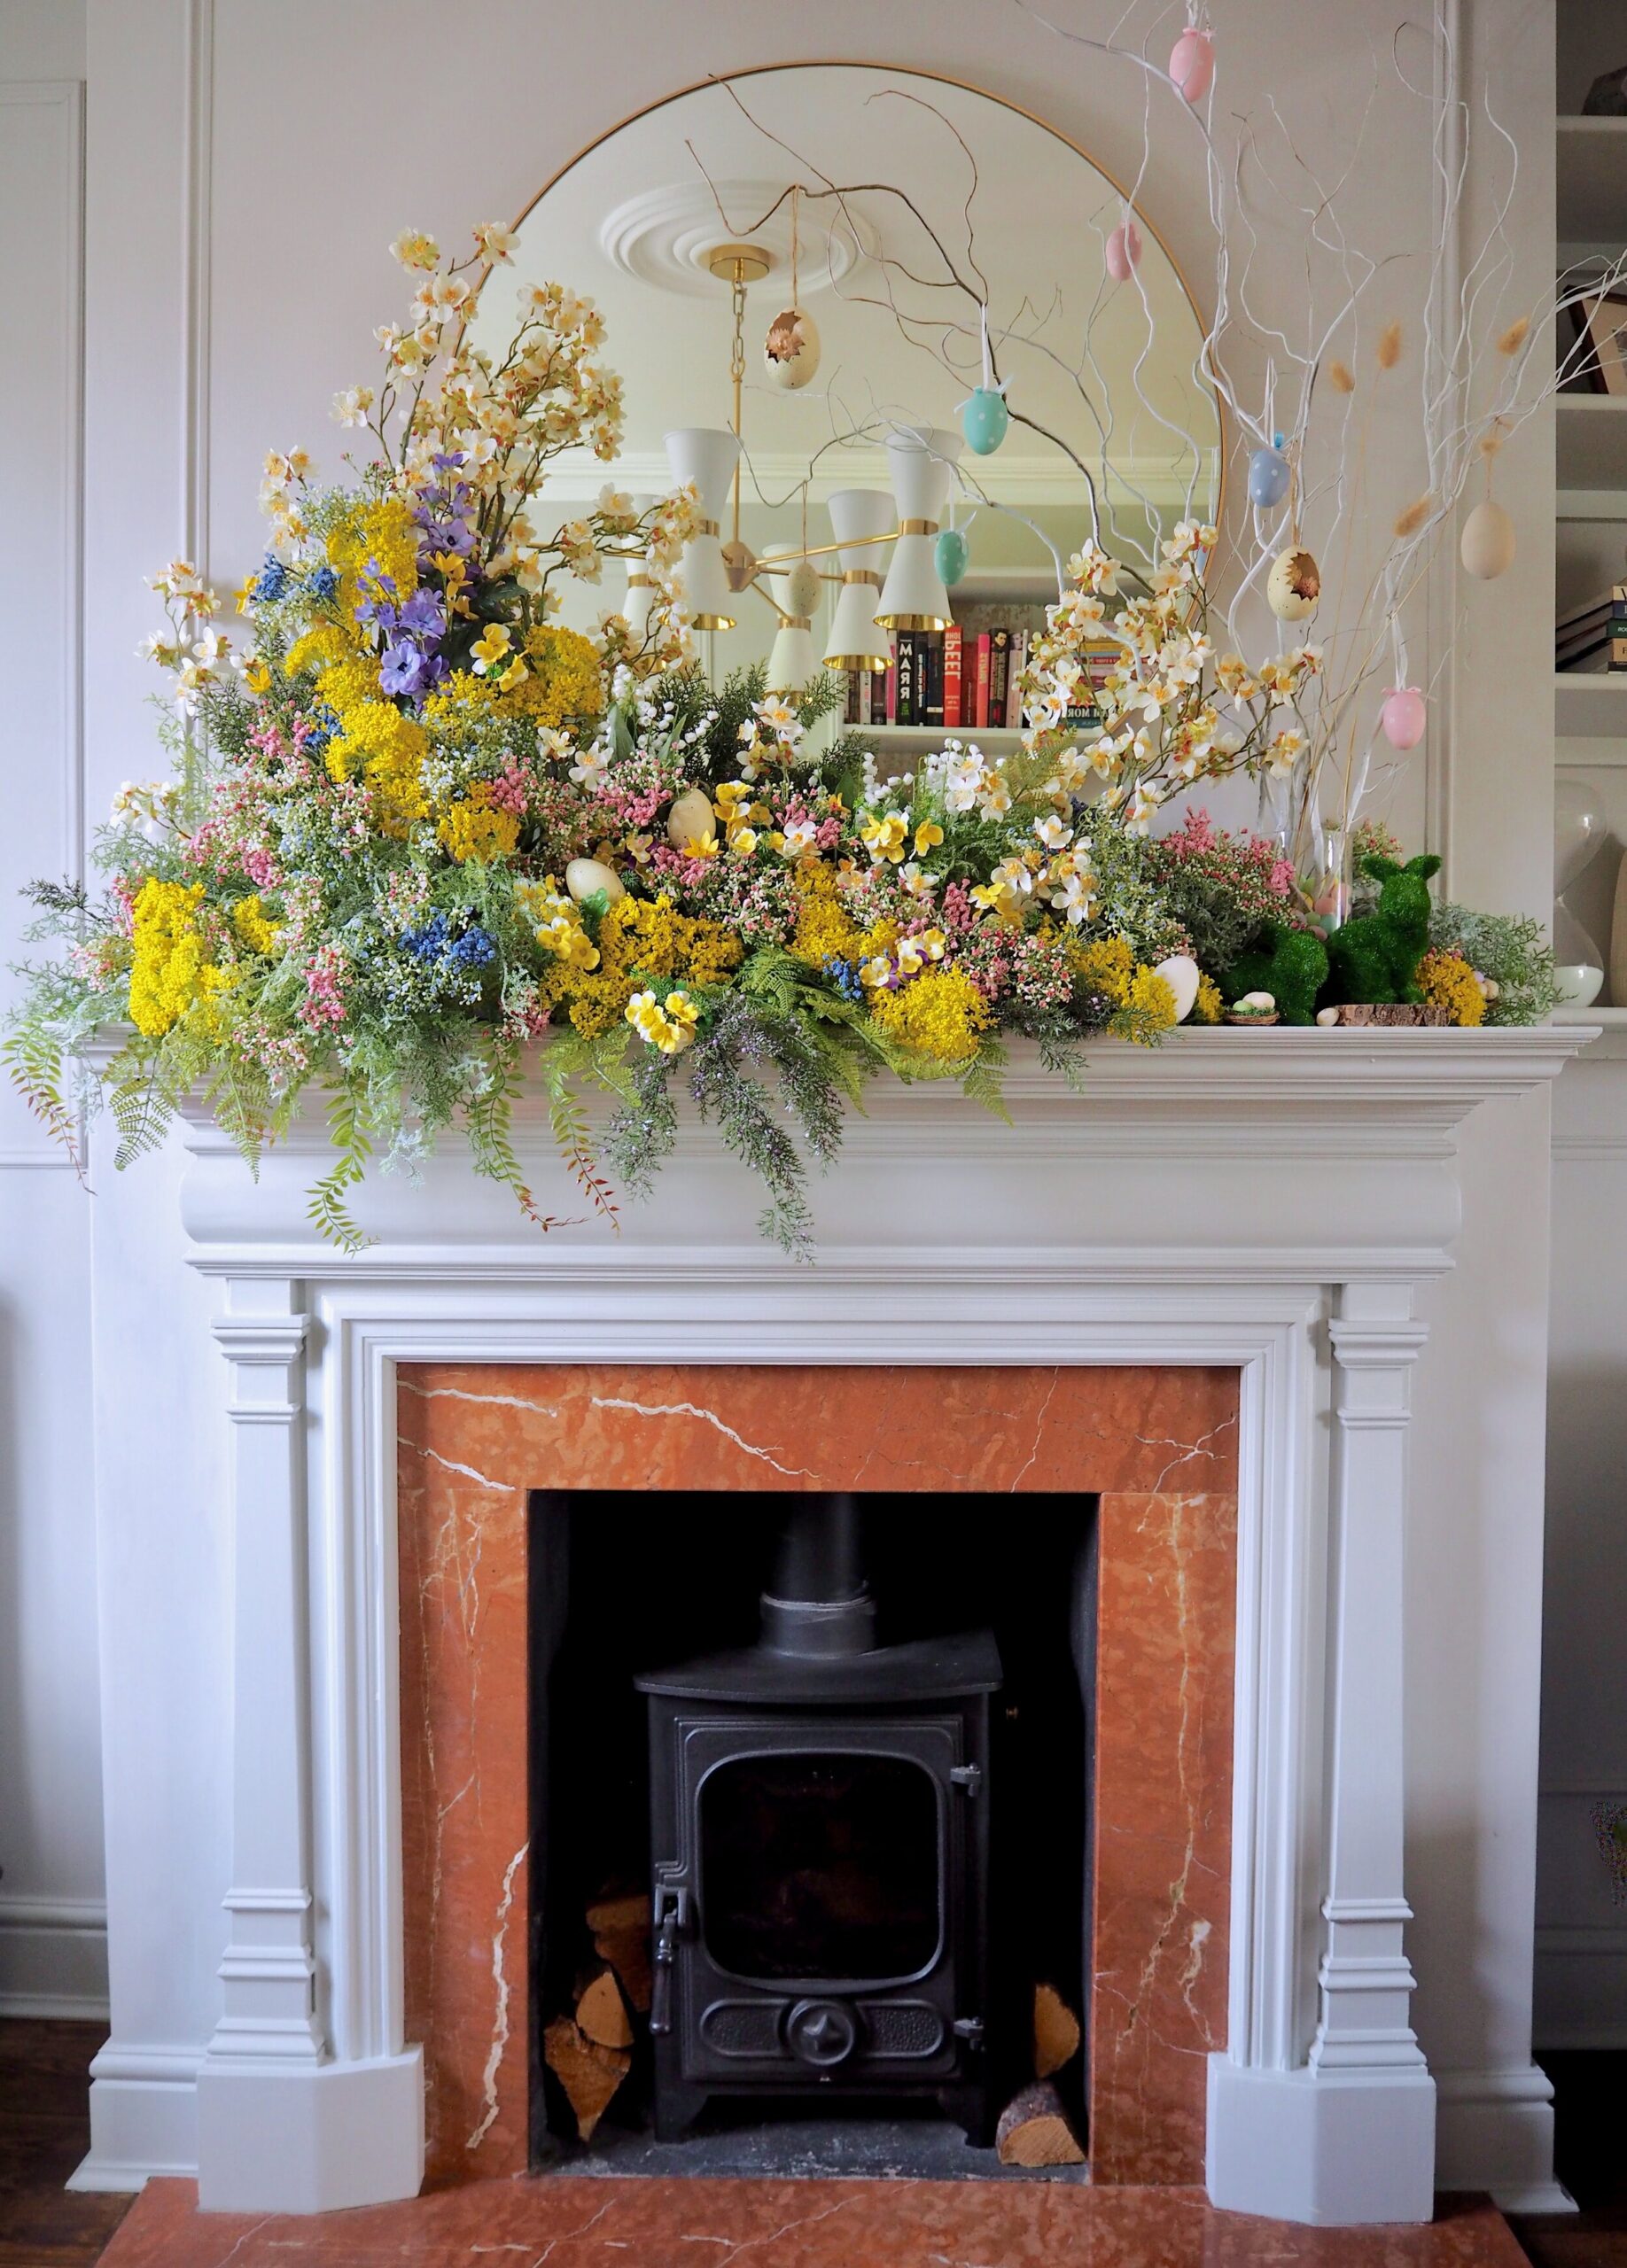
(1402, 717)
(1124, 251)
(1192, 63)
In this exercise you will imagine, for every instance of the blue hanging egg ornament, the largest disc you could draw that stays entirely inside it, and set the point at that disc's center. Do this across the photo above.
(984, 420)
(949, 557)
(1268, 478)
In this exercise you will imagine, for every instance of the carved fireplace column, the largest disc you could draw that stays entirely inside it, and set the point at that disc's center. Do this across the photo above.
(280, 2123)
(1349, 2135)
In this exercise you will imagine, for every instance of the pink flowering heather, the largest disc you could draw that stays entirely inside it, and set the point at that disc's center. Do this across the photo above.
(324, 999)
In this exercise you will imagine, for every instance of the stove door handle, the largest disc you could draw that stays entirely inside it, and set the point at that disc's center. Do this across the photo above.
(672, 1916)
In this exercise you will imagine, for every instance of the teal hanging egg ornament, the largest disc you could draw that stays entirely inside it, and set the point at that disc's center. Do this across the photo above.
(983, 415)
(949, 555)
(983, 419)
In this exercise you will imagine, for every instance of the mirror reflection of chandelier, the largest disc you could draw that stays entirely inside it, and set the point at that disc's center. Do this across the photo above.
(875, 595)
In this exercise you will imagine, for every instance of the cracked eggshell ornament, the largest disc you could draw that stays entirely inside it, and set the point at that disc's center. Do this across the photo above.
(1294, 586)
(1123, 255)
(691, 818)
(1179, 972)
(1487, 547)
(790, 351)
(583, 877)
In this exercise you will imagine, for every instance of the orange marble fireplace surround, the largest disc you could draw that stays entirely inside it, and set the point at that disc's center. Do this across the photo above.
(1156, 1445)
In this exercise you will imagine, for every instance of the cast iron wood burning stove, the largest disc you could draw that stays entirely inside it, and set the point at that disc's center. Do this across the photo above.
(820, 1851)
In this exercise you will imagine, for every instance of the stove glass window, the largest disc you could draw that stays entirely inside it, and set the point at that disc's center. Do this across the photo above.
(821, 1865)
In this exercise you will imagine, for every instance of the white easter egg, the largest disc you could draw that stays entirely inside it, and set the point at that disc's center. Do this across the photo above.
(1179, 972)
(790, 351)
(1294, 586)
(1264, 1001)
(1487, 547)
(584, 876)
(691, 818)
(1327, 1018)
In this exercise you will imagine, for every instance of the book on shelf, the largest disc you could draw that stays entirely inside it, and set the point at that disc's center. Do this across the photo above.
(1016, 661)
(999, 654)
(890, 686)
(952, 641)
(932, 680)
(980, 684)
(1618, 626)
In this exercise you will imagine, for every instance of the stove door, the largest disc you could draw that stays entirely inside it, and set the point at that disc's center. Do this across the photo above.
(824, 1865)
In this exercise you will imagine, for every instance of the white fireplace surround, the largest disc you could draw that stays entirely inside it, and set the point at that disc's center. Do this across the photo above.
(1274, 1200)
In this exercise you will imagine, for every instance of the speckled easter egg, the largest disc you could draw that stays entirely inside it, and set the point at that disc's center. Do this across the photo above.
(949, 557)
(1268, 478)
(1404, 715)
(984, 420)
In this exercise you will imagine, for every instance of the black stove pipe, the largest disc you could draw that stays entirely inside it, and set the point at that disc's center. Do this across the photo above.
(818, 1602)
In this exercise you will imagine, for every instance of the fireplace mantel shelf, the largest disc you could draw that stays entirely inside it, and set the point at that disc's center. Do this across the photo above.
(1212, 1139)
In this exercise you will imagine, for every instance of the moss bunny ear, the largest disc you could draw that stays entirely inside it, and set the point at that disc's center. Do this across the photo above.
(1424, 865)
(1379, 867)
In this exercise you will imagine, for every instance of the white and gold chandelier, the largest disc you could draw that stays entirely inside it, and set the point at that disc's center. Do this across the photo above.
(906, 593)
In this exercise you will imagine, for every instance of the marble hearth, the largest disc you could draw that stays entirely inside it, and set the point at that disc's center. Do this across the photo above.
(1198, 1288)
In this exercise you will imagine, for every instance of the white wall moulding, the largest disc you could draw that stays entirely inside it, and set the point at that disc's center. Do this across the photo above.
(1271, 1201)
(53, 1957)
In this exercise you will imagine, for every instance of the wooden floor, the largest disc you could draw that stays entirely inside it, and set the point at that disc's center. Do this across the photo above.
(44, 2132)
(1590, 2096)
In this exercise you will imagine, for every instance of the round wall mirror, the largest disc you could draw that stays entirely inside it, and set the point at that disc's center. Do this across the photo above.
(887, 208)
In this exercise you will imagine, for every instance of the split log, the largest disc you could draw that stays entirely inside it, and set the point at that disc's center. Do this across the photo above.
(620, 1930)
(1393, 1011)
(1056, 2031)
(589, 2074)
(601, 2014)
(1033, 2130)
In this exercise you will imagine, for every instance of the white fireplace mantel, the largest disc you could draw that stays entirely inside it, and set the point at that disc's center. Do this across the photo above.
(1273, 1201)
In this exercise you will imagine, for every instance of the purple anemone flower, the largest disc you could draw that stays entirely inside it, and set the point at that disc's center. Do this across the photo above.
(403, 669)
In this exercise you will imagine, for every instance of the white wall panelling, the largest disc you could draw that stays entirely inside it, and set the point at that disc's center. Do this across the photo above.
(52, 1946)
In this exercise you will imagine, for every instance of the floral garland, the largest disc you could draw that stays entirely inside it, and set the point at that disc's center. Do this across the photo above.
(416, 827)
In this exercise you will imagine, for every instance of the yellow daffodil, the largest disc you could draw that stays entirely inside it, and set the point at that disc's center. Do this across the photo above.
(929, 834)
(885, 837)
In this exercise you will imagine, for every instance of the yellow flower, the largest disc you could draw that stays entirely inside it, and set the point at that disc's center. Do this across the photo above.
(884, 838)
(929, 834)
(668, 1025)
(1209, 1006)
(940, 1013)
(168, 959)
(387, 747)
(1448, 982)
(475, 829)
(318, 648)
(1105, 966)
(1148, 1009)
(256, 675)
(490, 647)
(250, 921)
